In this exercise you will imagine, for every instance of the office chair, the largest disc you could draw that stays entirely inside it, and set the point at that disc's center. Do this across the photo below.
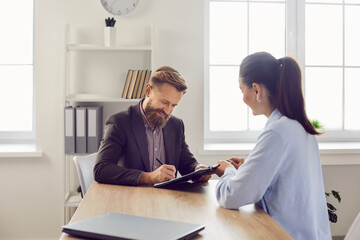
(354, 231)
(84, 167)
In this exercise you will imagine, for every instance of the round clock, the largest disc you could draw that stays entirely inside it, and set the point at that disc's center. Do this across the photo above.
(119, 7)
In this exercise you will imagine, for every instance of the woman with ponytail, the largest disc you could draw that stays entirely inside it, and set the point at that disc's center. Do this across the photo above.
(283, 173)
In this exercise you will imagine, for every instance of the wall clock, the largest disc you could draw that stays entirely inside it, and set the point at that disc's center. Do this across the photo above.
(119, 7)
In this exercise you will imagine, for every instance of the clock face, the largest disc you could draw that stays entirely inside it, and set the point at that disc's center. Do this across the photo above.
(119, 7)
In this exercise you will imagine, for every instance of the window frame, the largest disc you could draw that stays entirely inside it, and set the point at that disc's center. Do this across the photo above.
(24, 136)
(295, 47)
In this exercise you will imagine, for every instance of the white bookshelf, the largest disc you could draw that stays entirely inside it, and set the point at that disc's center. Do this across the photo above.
(74, 97)
(73, 199)
(93, 47)
(98, 98)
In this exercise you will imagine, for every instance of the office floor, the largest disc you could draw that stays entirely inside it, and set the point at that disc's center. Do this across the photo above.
(338, 237)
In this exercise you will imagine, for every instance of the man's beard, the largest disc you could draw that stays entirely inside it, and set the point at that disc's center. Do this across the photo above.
(152, 116)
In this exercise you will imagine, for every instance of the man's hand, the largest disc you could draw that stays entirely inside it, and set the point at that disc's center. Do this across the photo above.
(162, 174)
(205, 177)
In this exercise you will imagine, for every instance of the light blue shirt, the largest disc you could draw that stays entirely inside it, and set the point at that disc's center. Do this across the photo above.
(283, 175)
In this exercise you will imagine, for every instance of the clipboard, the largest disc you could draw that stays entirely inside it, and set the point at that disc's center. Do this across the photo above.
(190, 176)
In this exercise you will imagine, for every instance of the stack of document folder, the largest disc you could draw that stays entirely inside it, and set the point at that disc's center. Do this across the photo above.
(83, 129)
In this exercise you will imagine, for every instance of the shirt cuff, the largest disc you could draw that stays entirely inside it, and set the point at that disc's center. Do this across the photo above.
(138, 180)
(230, 170)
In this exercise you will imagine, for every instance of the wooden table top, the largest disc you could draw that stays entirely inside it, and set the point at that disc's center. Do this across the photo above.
(192, 203)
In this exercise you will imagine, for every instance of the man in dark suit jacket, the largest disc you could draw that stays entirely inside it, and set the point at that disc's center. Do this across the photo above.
(145, 144)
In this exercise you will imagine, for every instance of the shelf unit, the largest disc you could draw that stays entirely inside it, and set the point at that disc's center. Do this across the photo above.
(71, 97)
(94, 47)
(97, 98)
(84, 97)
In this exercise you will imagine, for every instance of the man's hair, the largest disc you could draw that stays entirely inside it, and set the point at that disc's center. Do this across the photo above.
(168, 75)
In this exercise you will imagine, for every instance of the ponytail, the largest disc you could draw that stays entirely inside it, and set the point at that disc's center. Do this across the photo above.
(282, 79)
(289, 98)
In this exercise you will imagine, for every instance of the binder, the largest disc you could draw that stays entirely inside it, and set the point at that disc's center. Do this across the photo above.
(132, 83)
(94, 128)
(69, 130)
(141, 83)
(81, 129)
(138, 79)
(143, 91)
(127, 83)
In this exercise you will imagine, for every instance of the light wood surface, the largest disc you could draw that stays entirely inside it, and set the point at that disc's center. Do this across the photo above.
(192, 203)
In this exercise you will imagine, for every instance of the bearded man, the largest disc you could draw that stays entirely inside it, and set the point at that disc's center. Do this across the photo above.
(146, 144)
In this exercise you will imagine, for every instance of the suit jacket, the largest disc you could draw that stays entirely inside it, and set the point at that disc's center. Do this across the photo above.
(123, 152)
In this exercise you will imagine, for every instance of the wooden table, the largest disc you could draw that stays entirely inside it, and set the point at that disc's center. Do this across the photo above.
(193, 203)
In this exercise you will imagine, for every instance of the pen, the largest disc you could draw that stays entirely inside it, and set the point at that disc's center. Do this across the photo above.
(159, 161)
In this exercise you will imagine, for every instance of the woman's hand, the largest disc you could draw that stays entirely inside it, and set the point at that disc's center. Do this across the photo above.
(223, 164)
(236, 162)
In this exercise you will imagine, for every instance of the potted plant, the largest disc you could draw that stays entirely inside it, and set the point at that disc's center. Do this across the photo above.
(331, 208)
(316, 124)
(110, 32)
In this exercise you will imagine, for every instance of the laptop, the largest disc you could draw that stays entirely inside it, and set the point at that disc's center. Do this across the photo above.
(122, 226)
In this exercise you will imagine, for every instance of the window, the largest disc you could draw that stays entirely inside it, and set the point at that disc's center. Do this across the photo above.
(320, 34)
(16, 70)
(331, 60)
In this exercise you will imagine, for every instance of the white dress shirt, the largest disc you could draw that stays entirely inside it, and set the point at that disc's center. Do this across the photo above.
(283, 175)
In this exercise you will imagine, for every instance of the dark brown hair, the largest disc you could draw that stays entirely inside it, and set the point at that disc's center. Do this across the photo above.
(168, 75)
(282, 78)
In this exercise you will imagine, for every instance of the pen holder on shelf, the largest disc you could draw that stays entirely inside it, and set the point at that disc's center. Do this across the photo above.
(110, 36)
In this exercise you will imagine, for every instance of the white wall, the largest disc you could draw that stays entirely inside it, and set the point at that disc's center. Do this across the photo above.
(32, 188)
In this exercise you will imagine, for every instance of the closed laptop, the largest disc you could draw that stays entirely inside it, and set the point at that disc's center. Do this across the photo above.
(122, 226)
